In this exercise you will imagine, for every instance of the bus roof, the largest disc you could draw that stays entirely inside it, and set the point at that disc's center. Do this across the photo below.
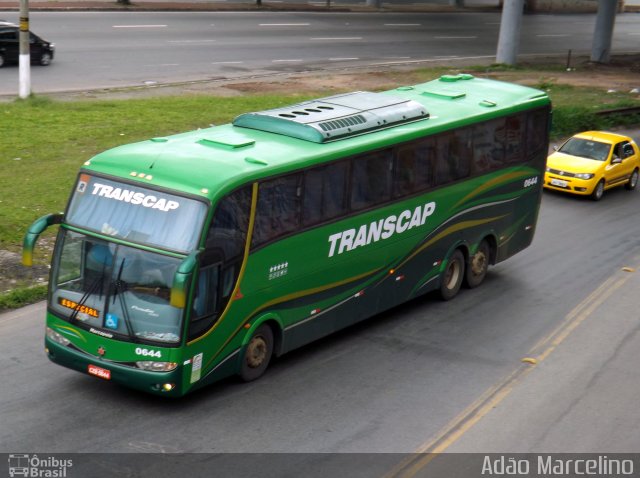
(212, 161)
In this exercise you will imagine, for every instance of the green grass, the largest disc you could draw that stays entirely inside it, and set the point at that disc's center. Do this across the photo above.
(44, 142)
(23, 296)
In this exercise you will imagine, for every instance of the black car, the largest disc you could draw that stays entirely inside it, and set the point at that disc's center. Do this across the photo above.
(41, 50)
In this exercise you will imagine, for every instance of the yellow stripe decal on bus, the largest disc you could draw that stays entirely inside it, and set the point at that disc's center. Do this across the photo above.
(490, 184)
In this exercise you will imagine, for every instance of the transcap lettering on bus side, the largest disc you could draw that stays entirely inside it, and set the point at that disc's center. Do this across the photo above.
(135, 198)
(383, 229)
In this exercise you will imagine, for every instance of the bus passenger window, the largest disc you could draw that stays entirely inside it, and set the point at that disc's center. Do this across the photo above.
(228, 231)
(414, 168)
(324, 193)
(537, 133)
(279, 205)
(488, 146)
(515, 141)
(371, 179)
(453, 156)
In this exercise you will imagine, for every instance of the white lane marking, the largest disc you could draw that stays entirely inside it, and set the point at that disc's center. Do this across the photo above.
(284, 24)
(139, 26)
(342, 59)
(336, 38)
(190, 41)
(226, 62)
(285, 61)
(456, 38)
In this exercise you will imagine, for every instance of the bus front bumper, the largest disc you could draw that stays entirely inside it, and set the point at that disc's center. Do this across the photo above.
(167, 384)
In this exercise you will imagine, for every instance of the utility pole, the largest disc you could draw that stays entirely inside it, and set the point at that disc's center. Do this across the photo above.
(24, 59)
(509, 38)
(603, 34)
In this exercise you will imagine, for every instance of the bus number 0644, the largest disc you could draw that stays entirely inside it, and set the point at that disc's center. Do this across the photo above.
(530, 182)
(148, 353)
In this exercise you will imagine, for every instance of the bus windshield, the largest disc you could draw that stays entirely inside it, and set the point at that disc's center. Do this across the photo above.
(114, 289)
(136, 214)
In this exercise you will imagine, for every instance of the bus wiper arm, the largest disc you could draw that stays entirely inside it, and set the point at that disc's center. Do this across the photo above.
(95, 285)
(121, 286)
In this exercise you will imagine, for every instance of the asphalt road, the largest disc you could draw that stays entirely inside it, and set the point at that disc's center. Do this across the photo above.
(426, 376)
(114, 49)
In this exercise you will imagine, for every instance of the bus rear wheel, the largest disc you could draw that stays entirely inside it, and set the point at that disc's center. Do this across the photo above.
(478, 265)
(452, 276)
(257, 354)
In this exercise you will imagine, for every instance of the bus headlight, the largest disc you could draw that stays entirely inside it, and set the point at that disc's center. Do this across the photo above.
(56, 337)
(157, 366)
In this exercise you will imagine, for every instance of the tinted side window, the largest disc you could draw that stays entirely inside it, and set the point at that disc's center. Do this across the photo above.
(414, 167)
(279, 205)
(515, 141)
(324, 193)
(8, 35)
(228, 231)
(537, 132)
(454, 156)
(371, 179)
(489, 145)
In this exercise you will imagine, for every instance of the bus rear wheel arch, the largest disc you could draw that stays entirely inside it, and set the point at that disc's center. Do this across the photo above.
(453, 275)
(257, 353)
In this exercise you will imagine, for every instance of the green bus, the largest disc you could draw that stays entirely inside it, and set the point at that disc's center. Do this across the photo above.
(185, 259)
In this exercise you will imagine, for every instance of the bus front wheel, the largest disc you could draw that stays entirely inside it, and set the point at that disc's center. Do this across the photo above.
(452, 276)
(257, 354)
(478, 265)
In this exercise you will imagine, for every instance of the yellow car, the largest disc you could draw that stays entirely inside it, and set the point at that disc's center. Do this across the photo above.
(591, 162)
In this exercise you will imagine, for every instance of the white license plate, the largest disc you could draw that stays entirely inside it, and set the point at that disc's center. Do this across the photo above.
(559, 182)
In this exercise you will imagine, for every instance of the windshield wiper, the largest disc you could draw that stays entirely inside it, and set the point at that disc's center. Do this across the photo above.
(96, 284)
(121, 286)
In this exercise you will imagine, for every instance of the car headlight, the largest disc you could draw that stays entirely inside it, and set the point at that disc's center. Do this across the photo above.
(157, 366)
(584, 175)
(548, 169)
(56, 337)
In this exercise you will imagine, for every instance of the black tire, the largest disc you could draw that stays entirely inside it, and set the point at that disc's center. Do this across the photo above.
(598, 191)
(257, 354)
(452, 276)
(633, 181)
(478, 265)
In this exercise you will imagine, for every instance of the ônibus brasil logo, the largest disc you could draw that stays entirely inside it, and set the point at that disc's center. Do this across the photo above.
(34, 466)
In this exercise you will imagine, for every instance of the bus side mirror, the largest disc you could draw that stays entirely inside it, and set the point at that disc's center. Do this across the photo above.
(34, 232)
(181, 280)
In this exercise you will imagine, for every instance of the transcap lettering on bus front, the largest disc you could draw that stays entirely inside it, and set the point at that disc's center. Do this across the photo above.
(383, 229)
(135, 198)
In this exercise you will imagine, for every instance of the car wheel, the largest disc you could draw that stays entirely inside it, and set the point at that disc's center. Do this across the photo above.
(478, 265)
(451, 278)
(257, 354)
(45, 59)
(598, 191)
(1, 61)
(633, 181)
